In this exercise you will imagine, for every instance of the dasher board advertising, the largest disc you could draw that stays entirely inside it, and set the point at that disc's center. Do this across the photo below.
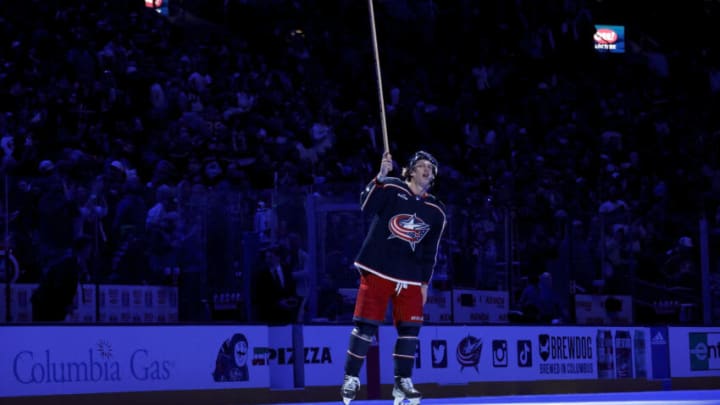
(590, 309)
(480, 306)
(57, 360)
(322, 357)
(694, 351)
(463, 354)
(438, 308)
(117, 304)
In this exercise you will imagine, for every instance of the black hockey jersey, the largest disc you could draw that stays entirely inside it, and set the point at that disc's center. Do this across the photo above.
(404, 232)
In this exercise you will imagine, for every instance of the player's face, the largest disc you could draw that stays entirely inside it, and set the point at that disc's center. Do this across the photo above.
(422, 173)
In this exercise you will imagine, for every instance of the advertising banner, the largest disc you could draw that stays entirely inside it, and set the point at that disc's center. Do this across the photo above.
(136, 304)
(85, 310)
(73, 359)
(56, 360)
(462, 354)
(438, 308)
(660, 351)
(591, 309)
(20, 304)
(323, 355)
(281, 357)
(118, 304)
(479, 306)
(325, 348)
(696, 351)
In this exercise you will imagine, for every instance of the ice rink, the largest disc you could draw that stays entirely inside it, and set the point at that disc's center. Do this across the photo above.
(706, 397)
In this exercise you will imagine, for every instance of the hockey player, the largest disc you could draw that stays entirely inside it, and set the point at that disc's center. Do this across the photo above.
(395, 264)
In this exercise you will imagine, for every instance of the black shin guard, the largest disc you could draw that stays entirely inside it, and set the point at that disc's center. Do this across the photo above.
(405, 349)
(360, 340)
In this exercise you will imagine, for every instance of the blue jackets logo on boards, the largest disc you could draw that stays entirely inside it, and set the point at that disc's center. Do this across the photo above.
(468, 352)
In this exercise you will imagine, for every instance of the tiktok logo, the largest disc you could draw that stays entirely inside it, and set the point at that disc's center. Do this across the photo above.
(524, 350)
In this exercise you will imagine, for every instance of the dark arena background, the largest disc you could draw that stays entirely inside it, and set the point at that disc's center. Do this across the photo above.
(160, 158)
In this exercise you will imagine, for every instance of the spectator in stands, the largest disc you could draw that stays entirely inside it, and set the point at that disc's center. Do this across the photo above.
(616, 268)
(128, 236)
(680, 269)
(56, 214)
(275, 298)
(92, 210)
(162, 225)
(53, 300)
(296, 260)
(538, 302)
(576, 250)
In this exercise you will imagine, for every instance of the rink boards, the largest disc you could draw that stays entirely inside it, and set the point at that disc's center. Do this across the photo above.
(78, 359)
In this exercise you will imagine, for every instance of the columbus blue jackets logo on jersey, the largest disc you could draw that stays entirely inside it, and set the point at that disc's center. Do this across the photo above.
(409, 228)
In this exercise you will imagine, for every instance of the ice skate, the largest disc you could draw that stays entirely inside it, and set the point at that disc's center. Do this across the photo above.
(405, 393)
(350, 388)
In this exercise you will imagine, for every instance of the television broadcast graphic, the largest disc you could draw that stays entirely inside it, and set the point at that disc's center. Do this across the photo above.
(161, 6)
(609, 38)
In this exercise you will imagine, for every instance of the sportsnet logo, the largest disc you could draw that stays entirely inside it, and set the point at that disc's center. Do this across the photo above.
(609, 38)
